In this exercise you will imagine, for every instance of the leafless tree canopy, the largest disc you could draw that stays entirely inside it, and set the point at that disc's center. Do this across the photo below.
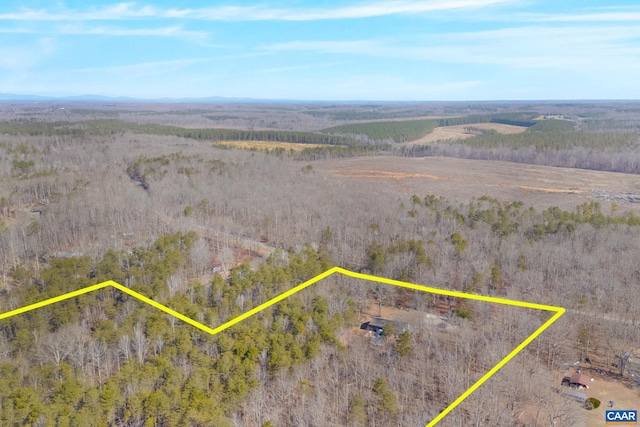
(138, 194)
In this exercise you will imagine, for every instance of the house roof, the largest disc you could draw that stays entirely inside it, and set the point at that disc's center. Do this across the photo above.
(581, 379)
(379, 322)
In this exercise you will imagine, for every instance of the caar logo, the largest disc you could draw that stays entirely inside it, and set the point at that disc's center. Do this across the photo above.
(621, 417)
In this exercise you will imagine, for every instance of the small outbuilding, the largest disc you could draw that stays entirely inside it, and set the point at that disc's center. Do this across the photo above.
(579, 381)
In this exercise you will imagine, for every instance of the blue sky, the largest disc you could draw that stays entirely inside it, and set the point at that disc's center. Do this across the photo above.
(323, 50)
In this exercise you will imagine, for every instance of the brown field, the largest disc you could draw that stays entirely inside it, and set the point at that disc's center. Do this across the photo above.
(267, 145)
(461, 179)
(450, 133)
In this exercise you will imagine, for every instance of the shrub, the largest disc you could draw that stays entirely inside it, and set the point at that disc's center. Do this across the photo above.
(592, 403)
(388, 330)
(463, 312)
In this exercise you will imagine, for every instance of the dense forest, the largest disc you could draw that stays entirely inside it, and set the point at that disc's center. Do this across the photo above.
(213, 232)
(581, 140)
(103, 359)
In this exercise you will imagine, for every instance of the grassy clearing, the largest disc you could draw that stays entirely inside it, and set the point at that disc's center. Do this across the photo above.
(457, 132)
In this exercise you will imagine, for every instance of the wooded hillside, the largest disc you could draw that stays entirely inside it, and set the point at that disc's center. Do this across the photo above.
(213, 232)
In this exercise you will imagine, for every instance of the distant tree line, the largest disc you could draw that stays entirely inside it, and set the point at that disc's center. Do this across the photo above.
(368, 115)
(111, 127)
(516, 119)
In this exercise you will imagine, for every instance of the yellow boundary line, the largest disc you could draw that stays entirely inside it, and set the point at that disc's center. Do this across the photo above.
(559, 311)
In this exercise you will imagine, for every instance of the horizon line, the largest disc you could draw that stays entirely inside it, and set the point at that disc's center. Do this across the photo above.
(124, 99)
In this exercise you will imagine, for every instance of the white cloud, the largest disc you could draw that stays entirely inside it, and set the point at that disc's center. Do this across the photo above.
(571, 47)
(22, 58)
(115, 12)
(363, 10)
(173, 31)
(16, 31)
(597, 15)
(252, 13)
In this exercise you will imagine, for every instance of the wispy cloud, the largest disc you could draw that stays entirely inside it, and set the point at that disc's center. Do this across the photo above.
(592, 17)
(172, 31)
(16, 31)
(299, 67)
(251, 13)
(142, 69)
(22, 58)
(390, 48)
(531, 47)
(359, 11)
(366, 47)
(600, 15)
(548, 37)
(116, 12)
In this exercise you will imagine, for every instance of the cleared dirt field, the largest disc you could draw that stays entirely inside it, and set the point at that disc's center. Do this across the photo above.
(461, 179)
(450, 133)
(267, 145)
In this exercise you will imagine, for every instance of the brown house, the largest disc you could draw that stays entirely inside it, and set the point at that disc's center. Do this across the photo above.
(579, 381)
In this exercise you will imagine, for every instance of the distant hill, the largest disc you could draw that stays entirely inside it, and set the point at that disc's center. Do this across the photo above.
(12, 97)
